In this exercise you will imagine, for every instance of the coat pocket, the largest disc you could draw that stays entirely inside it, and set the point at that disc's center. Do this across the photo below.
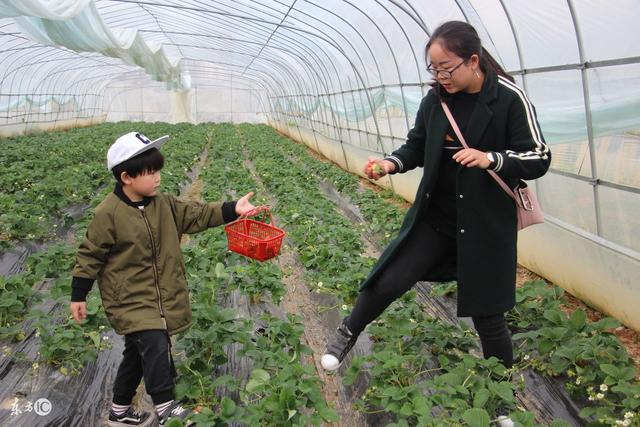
(118, 288)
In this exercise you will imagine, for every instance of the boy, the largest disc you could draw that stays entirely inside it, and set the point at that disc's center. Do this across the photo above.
(132, 247)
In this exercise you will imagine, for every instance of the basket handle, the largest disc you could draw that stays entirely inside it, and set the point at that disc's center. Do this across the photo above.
(260, 210)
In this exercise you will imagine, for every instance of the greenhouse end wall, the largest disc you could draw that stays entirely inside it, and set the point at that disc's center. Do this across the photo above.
(596, 271)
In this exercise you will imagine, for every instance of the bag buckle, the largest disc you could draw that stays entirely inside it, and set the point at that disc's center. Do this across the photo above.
(525, 201)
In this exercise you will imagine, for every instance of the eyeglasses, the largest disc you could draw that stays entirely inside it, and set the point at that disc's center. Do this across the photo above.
(445, 74)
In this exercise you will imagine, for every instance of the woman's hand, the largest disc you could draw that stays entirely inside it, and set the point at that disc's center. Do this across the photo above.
(470, 157)
(243, 205)
(79, 311)
(377, 168)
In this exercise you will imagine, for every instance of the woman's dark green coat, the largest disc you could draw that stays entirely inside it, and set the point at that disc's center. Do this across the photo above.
(503, 122)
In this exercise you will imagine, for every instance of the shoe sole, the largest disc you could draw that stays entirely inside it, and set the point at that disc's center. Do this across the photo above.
(151, 421)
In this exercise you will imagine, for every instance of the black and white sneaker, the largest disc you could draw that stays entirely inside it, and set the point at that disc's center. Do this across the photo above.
(130, 418)
(175, 410)
(343, 341)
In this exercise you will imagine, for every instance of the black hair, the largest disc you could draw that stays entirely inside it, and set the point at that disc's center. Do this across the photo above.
(462, 39)
(149, 161)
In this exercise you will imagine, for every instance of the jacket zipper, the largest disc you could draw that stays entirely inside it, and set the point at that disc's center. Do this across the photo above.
(155, 268)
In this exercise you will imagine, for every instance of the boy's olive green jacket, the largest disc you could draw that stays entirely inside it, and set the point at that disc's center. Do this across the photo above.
(135, 256)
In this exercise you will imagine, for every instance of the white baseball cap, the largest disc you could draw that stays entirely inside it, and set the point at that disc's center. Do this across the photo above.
(130, 145)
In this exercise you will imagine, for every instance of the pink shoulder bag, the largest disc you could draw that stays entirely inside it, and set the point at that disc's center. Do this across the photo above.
(527, 206)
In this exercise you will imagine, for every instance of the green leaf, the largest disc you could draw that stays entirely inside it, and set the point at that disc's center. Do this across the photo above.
(605, 324)
(555, 316)
(228, 407)
(220, 272)
(254, 385)
(261, 375)
(578, 319)
(292, 413)
(610, 370)
(476, 417)
(481, 398)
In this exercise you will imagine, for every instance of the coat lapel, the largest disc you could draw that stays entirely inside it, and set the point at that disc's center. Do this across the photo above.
(437, 127)
(478, 122)
(482, 114)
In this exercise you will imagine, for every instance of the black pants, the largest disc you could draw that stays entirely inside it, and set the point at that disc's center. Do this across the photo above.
(146, 354)
(423, 250)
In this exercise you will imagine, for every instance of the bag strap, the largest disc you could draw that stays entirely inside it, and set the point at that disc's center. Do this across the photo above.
(456, 129)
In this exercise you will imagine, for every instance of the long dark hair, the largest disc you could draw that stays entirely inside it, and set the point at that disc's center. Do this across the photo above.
(463, 40)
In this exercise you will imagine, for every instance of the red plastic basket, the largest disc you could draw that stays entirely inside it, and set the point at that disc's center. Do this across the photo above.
(255, 239)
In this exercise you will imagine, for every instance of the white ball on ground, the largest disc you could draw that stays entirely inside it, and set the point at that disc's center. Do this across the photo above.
(330, 362)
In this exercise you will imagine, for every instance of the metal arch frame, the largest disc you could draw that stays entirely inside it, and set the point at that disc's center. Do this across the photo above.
(303, 47)
(335, 126)
(594, 181)
(329, 41)
(9, 73)
(264, 45)
(395, 62)
(65, 91)
(278, 64)
(413, 51)
(58, 81)
(415, 16)
(155, 18)
(351, 45)
(375, 61)
(295, 54)
(93, 78)
(589, 119)
(13, 72)
(137, 75)
(53, 82)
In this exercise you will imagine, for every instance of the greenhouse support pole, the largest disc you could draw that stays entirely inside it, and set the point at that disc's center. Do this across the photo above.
(524, 75)
(589, 118)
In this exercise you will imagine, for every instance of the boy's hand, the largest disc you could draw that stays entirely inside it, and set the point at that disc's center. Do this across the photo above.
(244, 205)
(79, 311)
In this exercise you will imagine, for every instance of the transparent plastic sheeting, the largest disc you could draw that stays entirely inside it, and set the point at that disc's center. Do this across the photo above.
(348, 72)
(78, 26)
(341, 60)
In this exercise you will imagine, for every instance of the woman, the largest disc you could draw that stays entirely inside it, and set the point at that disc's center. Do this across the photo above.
(462, 224)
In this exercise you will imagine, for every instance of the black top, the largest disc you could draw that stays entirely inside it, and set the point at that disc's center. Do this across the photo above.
(441, 213)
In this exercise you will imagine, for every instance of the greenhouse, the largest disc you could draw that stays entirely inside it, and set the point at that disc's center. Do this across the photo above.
(316, 108)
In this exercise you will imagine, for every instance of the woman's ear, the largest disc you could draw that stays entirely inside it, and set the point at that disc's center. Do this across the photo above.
(474, 61)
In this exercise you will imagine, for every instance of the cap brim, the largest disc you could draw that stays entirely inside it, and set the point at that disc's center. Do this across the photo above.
(156, 143)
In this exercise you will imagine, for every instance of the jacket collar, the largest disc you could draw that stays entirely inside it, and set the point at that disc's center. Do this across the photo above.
(482, 114)
(489, 90)
(118, 191)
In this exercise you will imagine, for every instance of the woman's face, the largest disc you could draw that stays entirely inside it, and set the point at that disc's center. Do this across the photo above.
(454, 73)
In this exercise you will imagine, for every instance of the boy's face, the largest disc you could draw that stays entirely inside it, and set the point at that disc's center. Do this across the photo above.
(144, 185)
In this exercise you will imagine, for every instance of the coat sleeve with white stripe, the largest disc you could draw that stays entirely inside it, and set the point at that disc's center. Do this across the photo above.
(527, 155)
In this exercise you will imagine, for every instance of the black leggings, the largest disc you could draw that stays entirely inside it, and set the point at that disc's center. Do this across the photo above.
(425, 249)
